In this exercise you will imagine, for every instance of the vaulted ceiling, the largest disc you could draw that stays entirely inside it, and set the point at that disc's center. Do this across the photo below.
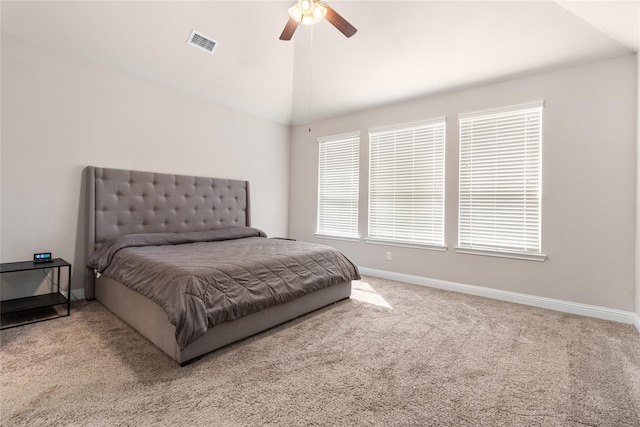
(402, 50)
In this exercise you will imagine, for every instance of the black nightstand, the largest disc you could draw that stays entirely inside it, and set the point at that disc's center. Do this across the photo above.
(37, 301)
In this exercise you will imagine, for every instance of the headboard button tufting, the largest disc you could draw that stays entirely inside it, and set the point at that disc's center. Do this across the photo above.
(131, 202)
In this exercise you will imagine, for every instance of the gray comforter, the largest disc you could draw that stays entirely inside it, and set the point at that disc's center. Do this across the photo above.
(205, 278)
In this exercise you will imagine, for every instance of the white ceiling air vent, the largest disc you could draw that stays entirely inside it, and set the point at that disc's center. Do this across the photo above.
(201, 41)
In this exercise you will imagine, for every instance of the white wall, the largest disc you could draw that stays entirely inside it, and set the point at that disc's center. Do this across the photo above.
(589, 190)
(638, 196)
(61, 113)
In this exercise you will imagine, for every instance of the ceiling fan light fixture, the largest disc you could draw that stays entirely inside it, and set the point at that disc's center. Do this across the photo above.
(295, 12)
(306, 6)
(308, 12)
(319, 12)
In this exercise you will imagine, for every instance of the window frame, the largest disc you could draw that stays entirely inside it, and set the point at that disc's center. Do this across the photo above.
(439, 153)
(525, 147)
(323, 230)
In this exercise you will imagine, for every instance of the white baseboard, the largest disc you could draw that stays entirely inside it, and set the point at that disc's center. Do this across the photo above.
(621, 316)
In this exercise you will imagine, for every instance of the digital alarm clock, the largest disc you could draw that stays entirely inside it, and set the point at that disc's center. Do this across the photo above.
(42, 257)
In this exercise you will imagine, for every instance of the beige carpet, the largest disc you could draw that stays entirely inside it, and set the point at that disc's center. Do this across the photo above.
(394, 354)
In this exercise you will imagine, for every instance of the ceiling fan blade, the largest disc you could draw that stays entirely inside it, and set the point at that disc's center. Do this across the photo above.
(339, 22)
(289, 29)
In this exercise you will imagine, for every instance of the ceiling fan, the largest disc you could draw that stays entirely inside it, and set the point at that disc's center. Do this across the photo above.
(309, 12)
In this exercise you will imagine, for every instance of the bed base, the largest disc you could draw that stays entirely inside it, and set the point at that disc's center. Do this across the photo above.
(151, 321)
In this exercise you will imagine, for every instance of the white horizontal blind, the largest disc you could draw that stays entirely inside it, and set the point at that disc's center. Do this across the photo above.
(406, 184)
(500, 180)
(338, 186)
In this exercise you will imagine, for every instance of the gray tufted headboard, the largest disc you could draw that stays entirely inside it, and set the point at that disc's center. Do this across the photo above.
(127, 202)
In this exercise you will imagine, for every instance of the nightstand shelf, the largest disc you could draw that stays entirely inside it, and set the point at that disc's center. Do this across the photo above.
(54, 298)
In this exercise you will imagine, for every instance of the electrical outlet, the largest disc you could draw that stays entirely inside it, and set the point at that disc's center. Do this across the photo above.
(388, 256)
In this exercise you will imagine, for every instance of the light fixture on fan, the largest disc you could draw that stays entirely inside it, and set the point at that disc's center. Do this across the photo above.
(309, 12)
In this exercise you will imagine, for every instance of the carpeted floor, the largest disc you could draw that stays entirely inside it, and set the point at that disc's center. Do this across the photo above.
(394, 354)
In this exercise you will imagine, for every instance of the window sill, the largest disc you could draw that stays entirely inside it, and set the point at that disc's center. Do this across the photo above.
(502, 254)
(406, 244)
(327, 236)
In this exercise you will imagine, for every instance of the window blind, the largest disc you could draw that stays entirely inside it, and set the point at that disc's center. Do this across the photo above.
(406, 184)
(500, 180)
(339, 161)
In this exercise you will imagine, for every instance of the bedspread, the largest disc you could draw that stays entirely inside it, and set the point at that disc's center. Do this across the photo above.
(205, 278)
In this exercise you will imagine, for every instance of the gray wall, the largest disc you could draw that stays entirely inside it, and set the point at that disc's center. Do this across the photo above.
(589, 186)
(61, 113)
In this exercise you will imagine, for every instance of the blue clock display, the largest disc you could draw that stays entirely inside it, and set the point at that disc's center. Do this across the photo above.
(42, 257)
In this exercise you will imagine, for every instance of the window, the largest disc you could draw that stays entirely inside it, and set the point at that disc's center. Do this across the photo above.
(406, 185)
(338, 186)
(500, 182)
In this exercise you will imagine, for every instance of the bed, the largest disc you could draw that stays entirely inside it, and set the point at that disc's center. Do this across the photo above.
(176, 258)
